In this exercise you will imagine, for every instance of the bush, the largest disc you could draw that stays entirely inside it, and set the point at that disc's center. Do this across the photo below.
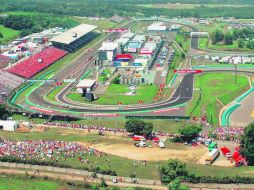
(116, 80)
(190, 132)
(172, 170)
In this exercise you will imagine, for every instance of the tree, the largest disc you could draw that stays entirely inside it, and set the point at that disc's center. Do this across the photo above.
(176, 185)
(4, 113)
(190, 132)
(139, 127)
(228, 38)
(172, 170)
(1, 35)
(250, 45)
(247, 144)
(217, 36)
(241, 43)
(116, 80)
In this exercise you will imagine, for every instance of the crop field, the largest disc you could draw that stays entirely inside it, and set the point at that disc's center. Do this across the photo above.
(217, 90)
(8, 34)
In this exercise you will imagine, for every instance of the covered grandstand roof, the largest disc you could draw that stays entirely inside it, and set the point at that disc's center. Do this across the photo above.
(73, 34)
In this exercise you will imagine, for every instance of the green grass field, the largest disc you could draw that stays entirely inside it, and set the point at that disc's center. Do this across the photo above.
(8, 34)
(27, 184)
(115, 93)
(214, 87)
(163, 125)
(202, 43)
(102, 23)
(184, 42)
(122, 166)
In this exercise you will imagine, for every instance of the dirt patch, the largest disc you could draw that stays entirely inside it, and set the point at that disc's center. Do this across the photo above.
(150, 154)
(220, 161)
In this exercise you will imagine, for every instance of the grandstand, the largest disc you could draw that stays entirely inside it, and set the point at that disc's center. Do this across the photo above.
(4, 60)
(74, 38)
(8, 82)
(36, 63)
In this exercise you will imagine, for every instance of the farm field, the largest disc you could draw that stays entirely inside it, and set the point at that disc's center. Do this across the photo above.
(115, 93)
(8, 34)
(216, 89)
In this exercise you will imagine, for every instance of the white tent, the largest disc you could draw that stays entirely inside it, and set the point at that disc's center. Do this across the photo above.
(8, 125)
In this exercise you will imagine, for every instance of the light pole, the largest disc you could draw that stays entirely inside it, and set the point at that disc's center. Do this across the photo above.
(235, 74)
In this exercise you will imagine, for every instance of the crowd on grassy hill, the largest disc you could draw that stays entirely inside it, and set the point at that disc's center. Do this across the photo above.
(101, 129)
(221, 133)
(225, 133)
(43, 150)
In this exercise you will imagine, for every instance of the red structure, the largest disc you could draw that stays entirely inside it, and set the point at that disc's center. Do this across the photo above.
(36, 63)
(225, 151)
(123, 56)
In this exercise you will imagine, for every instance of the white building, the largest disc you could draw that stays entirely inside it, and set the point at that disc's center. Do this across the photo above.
(85, 84)
(8, 125)
(157, 26)
(107, 51)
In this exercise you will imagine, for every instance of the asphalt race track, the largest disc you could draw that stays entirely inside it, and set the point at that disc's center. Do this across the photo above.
(181, 95)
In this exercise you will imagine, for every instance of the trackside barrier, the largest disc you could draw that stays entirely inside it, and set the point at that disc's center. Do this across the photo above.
(86, 74)
(158, 117)
(173, 79)
(223, 66)
(14, 98)
(227, 113)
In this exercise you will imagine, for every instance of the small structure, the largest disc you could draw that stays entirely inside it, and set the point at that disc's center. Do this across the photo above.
(157, 26)
(116, 19)
(85, 85)
(8, 125)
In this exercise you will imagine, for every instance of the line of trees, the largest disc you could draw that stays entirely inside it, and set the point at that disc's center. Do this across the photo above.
(239, 35)
(108, 8)
(28, 24)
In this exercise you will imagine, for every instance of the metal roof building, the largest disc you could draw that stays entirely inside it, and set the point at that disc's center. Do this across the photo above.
(74, 38)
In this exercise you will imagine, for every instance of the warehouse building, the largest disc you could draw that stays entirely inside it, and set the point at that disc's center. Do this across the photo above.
(107, 51)
(74, 38)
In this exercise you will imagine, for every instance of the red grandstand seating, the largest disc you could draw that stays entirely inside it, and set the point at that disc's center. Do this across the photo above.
(30, 67)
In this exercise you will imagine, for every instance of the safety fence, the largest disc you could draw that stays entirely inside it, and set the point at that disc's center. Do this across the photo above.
(225, 118)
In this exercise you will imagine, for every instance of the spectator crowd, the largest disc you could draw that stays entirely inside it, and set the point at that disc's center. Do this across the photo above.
(44, 150)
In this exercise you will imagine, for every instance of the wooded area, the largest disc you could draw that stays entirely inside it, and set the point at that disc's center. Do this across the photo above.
(108, 8)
